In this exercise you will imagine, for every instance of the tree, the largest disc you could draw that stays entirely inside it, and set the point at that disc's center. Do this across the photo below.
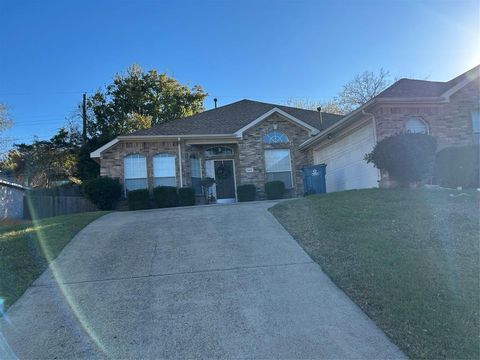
(5, 123)
(44, 163)
(362, 88)
(408, 158)
(329, 106)
(138, 100)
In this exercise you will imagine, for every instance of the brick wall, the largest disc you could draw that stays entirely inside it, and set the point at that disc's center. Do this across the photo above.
(248, 153)
(111, 163)
(251, 153)
(450, 123)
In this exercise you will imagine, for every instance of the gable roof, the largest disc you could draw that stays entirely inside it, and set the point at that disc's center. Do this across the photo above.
(231, 118)
(403, 90)
(412, 88)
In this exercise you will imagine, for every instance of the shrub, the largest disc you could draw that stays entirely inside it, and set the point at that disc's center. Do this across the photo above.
(186, 196)
(104, 192)
(165, 196)
(274, 190)
(406, 157)
(246, 192)
(138, 199)
(458, 166)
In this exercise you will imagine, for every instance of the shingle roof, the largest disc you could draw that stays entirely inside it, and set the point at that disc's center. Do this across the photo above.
(232, 117)
(411, 88)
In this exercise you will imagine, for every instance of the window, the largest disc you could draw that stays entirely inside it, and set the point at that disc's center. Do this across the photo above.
(218, 151)
(275, 137)
(278, 166)
(135, 172)
(164, 170)
(196, 173)
(416, 126)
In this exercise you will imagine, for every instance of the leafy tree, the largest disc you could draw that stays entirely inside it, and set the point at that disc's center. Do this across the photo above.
(43, 163)
(408, 158)
(138, 100)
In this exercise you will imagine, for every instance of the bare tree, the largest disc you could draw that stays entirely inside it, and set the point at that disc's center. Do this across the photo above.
(330, 106)
(362, 88)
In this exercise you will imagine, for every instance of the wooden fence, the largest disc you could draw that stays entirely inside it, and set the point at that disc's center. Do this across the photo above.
(40, 206)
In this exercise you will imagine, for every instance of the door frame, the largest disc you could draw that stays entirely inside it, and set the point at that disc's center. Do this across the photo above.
(229, 200)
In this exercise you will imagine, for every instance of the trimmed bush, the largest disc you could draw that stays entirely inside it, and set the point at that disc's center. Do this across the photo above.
(407, 157)
(165, 196)
(138, 199)
(186, 196)
(104, 192)
(246, 192)
(274, 190)
(458, 166)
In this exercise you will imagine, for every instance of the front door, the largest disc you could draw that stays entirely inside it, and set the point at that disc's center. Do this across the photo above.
(224, 179)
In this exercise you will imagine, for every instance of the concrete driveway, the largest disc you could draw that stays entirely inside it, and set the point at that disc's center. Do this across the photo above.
(201, 282)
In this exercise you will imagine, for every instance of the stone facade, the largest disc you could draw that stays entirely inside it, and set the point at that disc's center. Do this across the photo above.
(450, 123)
(248, 153)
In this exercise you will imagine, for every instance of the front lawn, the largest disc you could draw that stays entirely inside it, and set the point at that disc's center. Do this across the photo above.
(408, 258)
(26, 250)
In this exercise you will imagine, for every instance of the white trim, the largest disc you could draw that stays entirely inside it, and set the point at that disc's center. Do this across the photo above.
(98, 152)
(325, 132)
(290, 163)
(180, 167)
(313, 130)
(174, 137)
(457, 87)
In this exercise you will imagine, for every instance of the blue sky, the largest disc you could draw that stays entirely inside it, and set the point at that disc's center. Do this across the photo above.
(53, 51)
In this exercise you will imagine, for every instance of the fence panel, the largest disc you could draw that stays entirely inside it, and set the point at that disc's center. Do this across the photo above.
(39, 206)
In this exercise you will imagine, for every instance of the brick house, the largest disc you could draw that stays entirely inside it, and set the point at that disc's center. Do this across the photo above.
(250, 142)
(246, 142)
(447, 110)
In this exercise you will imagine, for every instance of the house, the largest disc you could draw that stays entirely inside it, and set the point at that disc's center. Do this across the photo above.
(251, 142)
(447, 110)
(246, 142)
(11, 200)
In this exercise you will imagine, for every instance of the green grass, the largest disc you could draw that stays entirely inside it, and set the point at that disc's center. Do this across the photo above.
(26, 250)
(408, 258)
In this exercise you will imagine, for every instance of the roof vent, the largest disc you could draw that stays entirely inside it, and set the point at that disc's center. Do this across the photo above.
(319, 109)
(215, 101)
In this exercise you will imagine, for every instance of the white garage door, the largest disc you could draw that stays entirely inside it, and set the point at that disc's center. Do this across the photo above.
(346, 168)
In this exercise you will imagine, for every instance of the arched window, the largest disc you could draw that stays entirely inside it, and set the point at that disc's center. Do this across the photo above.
(275, 137)
(218, 151)
(416, 126)
(135, 172)
(164, 170)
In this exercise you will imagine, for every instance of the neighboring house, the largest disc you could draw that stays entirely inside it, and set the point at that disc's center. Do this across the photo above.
(250, 142)
(11, 200)
(447, 110)
(246, 142)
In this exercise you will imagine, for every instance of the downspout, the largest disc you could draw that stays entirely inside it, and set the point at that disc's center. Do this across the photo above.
(375, 139)
(180, 167)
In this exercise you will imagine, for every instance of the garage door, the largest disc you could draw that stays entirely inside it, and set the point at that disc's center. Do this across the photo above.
(346, 168)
